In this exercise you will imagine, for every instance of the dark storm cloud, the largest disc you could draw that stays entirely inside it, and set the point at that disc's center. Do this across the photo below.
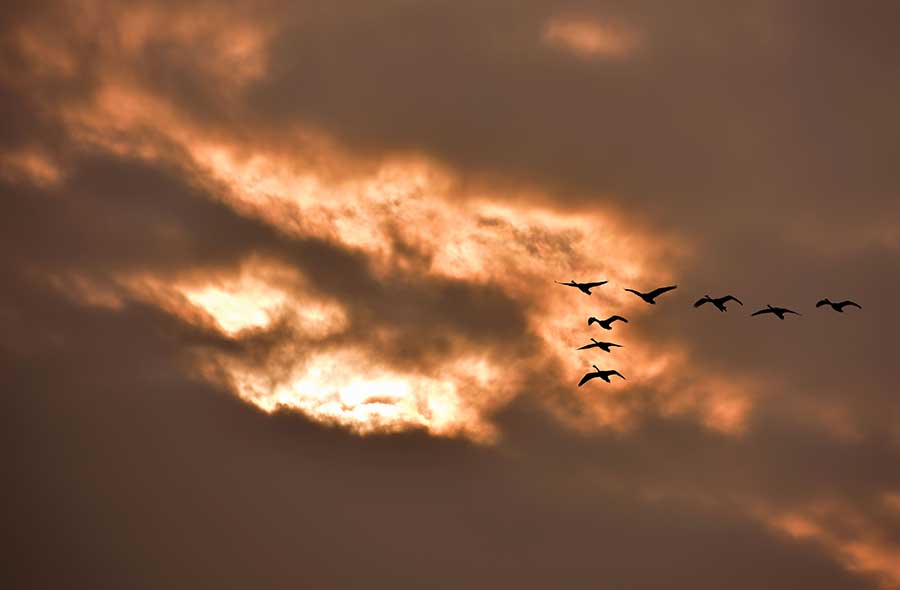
(766, 134)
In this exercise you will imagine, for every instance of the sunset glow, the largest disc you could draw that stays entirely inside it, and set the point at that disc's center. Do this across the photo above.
(398, 294)
(238, 307)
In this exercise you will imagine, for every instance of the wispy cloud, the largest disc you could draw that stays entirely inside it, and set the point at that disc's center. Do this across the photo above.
(588, 38)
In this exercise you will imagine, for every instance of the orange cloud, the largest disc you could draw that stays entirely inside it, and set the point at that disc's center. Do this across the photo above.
(410, 217)
(31, 165)
(590, 39)
(848, 534)
(405, 215)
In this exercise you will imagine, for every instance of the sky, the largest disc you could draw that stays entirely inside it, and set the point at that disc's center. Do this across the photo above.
(279, 306)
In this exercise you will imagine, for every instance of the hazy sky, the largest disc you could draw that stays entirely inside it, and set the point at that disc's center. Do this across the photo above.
(278, 305)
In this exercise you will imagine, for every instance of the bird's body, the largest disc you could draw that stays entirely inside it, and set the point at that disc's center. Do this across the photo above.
(607, 323)
(838, 306)
(650, 296)
(718, 302)
(605, 375)
(778, 311)
(583, 287)
(604, 346)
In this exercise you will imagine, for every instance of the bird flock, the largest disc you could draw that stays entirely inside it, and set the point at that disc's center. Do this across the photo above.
(650, 298)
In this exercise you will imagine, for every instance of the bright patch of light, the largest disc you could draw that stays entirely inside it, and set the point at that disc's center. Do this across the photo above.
(238, 306)
(343, 388)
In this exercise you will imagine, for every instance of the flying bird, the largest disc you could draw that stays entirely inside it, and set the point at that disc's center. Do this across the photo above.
(719, 302)
(779, 311)
(649, 297)
(607, 323)
(605, 375)
(583, 287)
(604, 346)
(838, 305)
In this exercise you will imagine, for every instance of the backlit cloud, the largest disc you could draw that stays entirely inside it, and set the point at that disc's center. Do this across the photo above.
(289, 270)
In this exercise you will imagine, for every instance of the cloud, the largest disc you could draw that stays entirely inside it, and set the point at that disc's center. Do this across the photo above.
(589, 39)
(190, 466)
(268, 265)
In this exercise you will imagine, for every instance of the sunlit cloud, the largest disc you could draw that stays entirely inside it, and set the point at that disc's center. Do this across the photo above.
(846, 533)
(47, 54)
(346, 388)
(587, 38)
(31, 166)
(237, 46)
(410, 217)
(405, 214)
(238, 306)
(212, 184)
(523, 249)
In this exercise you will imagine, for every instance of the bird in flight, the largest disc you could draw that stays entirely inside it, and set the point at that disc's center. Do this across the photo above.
(650, 296)
(605, 375)
(604, 346)
(583, 287)
(719, 302)
(607, 323)
(838, 305)
(779, 311)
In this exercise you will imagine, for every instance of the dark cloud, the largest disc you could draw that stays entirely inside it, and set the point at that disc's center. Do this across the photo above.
(129, 472)
(777, 104)
(762, 137)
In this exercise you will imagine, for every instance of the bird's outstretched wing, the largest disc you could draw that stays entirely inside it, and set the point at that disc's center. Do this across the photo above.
(700, 302)
(607, 346)
(728, 298)
(617, 373)
(657, 292)
(851, 303)
(617, 317)
(586, 346)
(587, 377)
(592, 285)
(822, 302)
(762, 311)
(791, 311)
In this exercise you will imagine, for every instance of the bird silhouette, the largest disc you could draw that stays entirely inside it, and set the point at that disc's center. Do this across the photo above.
(605, 375)
(650, 296)
(607, 323)
(779, 311)
(719, 302)
(838, 305)
(604, 346)
(583, 287)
